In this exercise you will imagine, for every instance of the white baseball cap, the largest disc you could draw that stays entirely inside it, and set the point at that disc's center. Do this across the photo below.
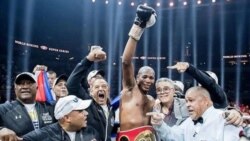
(213, 75)
(179, 84)
(25, 76)
(67, 104)
(93, 73)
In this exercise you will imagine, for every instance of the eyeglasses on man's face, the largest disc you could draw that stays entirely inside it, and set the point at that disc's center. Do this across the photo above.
(163, 90)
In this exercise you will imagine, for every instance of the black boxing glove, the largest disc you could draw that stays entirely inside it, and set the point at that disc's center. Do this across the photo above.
(145, 17)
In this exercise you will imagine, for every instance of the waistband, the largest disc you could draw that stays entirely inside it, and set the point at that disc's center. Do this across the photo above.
(137, 134)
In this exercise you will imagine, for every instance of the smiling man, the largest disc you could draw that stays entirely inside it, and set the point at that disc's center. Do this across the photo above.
(24, 114)
(135, 101)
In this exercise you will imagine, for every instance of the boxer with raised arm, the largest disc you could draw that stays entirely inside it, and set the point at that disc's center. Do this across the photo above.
(135, 103)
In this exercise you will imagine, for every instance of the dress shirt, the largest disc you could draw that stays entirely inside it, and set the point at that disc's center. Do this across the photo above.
(213, 128)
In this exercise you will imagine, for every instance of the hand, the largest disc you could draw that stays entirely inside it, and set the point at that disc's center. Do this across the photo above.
(233, 117)
(180, 66)
(156, 118)
(96, 54)
(40, 68)
(157, 106)
(8, 135)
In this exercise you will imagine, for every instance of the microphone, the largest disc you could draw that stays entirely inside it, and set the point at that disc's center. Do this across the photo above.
(195, 133)
(245, 134)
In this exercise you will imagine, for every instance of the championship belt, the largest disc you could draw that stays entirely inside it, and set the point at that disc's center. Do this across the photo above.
(144, 133)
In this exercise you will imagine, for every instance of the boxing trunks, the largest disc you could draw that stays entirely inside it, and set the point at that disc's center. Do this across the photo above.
(144, 133)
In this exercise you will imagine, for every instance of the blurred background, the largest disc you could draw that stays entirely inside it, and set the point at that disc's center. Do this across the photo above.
(210, 34)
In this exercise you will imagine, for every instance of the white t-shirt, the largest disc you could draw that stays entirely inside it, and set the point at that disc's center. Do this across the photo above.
(106, 110)
(72, 135)
(31, 109)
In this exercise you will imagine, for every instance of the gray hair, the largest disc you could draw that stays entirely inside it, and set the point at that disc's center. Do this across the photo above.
(164, 79)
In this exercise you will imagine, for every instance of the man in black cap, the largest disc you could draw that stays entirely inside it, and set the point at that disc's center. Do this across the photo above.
(59, 86)
(24, 114)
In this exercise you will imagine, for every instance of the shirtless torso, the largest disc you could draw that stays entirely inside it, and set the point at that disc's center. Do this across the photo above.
(133, 109)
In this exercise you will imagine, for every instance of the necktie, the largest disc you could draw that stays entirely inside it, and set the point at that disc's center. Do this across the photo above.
(199, 120)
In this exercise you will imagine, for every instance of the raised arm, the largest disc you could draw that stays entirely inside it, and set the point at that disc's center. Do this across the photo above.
(81, 71)
(217, 94)
(145, 17)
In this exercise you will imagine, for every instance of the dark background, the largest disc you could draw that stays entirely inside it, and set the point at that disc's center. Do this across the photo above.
(198, 33)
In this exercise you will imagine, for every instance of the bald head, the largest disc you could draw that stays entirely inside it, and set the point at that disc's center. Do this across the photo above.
(198, 101)
(199, 91)
(146, 69)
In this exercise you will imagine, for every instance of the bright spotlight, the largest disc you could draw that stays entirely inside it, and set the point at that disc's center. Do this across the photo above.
(171, 4)
(158, 4)
(106, 2)
(93, 0)
(184, 3)
(145, 4)
(213, 1)
(120, 3)
(132, 4)
(199, 2)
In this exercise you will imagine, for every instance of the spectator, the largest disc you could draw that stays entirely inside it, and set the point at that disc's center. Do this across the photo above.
(24, 114)
(101, 114)
(205, 122)
(71, 126)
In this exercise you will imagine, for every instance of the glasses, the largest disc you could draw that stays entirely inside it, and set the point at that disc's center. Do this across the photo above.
(163, 90)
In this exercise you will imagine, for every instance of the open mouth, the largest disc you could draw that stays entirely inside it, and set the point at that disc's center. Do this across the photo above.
(101, 95)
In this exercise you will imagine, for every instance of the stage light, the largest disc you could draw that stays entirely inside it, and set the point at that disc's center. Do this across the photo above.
(119, 3)
(171, 4)
(213, 1)
(106, 2)
(158, 4)
(199, 2)
(93, 1)
(132, 4)
(184, 3)
(145, 4)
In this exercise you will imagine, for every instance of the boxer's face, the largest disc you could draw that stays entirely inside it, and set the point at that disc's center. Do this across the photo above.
(145, 79)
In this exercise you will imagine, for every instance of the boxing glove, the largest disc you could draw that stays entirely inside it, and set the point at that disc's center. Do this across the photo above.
(145, 17)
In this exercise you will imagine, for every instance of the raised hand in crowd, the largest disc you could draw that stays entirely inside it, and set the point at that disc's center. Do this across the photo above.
(96, 54)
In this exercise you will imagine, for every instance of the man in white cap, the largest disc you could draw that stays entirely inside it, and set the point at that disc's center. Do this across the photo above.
(179, 88)
(24, 114)
(93, 75)
(71, 114)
